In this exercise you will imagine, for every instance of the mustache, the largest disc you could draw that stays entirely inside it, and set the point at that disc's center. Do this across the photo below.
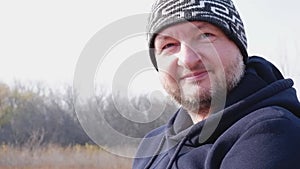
(200, 69)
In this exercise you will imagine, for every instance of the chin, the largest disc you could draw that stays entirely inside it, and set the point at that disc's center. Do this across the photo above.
(190, 95)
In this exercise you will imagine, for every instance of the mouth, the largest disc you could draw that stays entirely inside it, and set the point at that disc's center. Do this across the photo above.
(195, 76)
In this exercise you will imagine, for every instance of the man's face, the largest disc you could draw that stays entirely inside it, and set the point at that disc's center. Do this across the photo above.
(197, 62)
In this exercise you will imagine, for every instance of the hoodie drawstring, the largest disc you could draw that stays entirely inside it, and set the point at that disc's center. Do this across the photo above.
(173, 158)
(178, 148)
(160, 146)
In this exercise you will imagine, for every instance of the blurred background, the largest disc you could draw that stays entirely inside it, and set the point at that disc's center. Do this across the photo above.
(42, 43)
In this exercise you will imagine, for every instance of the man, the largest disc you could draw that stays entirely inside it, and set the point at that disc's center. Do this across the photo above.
(237, 112)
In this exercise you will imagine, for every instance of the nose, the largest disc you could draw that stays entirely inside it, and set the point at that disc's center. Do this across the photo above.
(187, 57)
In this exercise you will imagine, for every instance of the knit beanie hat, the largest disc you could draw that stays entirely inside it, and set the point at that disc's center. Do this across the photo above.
(221, 13)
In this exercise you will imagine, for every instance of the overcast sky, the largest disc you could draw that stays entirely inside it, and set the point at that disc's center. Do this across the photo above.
(43, 40)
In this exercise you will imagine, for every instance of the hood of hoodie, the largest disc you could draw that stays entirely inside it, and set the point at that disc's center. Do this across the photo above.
(262, 85)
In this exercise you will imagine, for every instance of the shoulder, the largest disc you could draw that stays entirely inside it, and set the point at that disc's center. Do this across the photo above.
(269, 136)
(270, 120)
(270, 115)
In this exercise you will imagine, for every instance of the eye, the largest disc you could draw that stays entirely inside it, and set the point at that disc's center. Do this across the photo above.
(168, 48)
(205, 35)
(169, 45)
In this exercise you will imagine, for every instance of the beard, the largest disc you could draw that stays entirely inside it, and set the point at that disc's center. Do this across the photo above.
(195, 97)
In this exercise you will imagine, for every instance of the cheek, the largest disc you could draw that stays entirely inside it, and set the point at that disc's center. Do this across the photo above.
(168, 82)
(231, 60)
(168, 68)
(169, 77)
(225, 55)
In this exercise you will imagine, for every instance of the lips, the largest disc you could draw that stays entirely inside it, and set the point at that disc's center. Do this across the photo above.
(195, 76)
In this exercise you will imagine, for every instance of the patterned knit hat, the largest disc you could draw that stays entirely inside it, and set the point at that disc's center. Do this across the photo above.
(221, 13)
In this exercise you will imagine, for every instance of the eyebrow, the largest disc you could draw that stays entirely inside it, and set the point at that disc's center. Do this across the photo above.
(196, 27)
(201, 26)
(163, 37)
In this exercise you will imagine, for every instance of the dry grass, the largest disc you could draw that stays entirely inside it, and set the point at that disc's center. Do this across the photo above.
(55, 157)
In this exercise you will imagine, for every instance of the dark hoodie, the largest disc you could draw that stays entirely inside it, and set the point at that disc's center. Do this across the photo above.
(259, 128)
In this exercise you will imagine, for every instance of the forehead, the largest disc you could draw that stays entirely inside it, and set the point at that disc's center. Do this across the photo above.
(186, 28)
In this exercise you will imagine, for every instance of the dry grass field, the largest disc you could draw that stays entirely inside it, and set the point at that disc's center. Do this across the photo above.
(55, 157)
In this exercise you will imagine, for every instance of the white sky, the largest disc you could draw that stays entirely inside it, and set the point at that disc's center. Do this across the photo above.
(42, 40)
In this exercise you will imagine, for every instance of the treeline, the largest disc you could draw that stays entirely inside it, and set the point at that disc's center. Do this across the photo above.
(34, 115)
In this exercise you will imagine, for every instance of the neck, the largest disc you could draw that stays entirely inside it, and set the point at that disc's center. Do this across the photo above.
(199, 116)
